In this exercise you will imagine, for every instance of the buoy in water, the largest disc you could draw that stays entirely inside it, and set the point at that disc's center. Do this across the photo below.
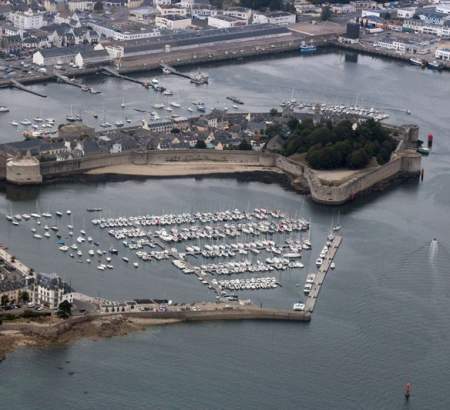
(407, 390)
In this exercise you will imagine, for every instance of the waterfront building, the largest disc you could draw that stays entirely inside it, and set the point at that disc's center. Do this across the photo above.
(225, 21)
(12, 284)
(239, 12)
(173, 22)
(123, 31)
(26, 20)
(172, 10)
(23, 170)
(201, 11)
(282, 18)
(406, 13)
(443, 53)
(342, 9)
(63, 55)
(92, 57)
(406, 44)
(48, 290)
(80, 5)
(419, 26)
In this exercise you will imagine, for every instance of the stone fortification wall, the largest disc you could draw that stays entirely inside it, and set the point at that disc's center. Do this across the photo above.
(405, 163)
(58, 168)
(190, 155)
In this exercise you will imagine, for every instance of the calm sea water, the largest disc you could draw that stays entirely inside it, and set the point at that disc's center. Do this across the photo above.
(382, 317)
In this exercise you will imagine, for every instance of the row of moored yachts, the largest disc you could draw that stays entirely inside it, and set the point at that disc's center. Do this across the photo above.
(248, 284)
(188, 218)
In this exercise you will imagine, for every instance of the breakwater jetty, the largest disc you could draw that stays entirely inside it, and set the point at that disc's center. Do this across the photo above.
(319, 277)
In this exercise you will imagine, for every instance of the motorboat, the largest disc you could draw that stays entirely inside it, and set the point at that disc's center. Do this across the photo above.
(300, 307)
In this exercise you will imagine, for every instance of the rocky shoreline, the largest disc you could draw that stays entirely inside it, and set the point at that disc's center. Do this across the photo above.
(48, 333)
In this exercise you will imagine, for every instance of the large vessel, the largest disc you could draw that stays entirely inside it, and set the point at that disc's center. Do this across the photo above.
(308, 49)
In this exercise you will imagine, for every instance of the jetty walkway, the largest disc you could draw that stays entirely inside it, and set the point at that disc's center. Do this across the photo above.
(322, 273)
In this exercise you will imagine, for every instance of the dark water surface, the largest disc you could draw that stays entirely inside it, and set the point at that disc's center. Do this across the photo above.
(383, 316)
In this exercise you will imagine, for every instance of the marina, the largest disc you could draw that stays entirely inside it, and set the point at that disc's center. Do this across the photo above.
(222, 234)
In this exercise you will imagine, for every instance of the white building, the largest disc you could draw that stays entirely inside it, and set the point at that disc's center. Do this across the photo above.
(418, 26)
(443, 8)
(240, 12)
(122, 33)
(173, 10)
(80, 5)
(404, 46)
(48, 290)
(26, 20)
(406, 13)
(442, 54)
(225, 21)
(282, 18)
(173, 22)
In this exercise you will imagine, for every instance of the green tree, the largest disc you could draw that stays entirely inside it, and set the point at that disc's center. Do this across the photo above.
(245, 145)
(292, 124)
(24, 297)
(200, 144)
(4, 300)
(98, 6)
(326, 13)
(274, 112)
(64, 310)
(358, 159)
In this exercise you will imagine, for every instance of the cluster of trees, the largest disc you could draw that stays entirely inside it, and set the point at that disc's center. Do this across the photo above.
(341, 145)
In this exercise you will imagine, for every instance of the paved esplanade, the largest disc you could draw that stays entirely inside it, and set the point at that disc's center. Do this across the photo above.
(322, 272)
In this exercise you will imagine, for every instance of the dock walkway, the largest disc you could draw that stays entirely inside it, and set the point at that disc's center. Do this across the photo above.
(196, 80)
(321, 274)
(124, 77)
(19, 86)
(6, 257)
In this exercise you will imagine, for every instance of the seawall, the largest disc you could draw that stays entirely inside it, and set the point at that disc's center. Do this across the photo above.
(403, 164)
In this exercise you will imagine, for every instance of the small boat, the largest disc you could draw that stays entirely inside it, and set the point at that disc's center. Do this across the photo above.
(63, 248)
(136, 265)
(319, 262)
(14, 123)
(125, 259)
(337, 228)
(300, 307)
(167, 92)
(38, 119)
(175, 104)
(3, 109)
(435, 65)
(101, 267)
(424, 150)
(94, 209)
(308, 49)
(105, 124)
(119, 124)
(88, 260)
(113, 251)
(37, 236)
(417, 61)
(58, 213)
(332, 265)
(25, 122)
(235, 100)
(68, 212)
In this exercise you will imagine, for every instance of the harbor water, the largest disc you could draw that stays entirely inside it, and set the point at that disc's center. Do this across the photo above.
(382, 317)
